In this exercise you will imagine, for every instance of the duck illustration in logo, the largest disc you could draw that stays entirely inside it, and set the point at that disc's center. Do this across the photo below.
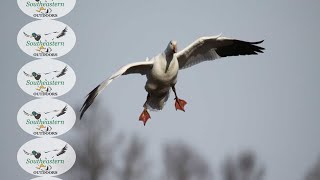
(33, 35)
(36, 76)
(34, 153)
(54, 113)
(47, 154)
(34, 114)
(55, 74)
(38, 37)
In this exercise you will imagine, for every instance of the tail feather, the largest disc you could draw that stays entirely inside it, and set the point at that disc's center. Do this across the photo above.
(155, 103)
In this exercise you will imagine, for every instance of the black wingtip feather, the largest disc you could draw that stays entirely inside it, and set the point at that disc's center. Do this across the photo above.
(90, 98)
(239, 47)
(258, 42)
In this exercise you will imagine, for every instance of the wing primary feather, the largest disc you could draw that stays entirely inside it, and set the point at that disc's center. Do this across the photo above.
(27, 114)
(63, 111)
(27, 35)
(28, 75)
(92, 95)
(27, 153)
(63, 150)
(138, 67)
(215, 47)
(63, 72)
(63, 32)
(240, 48)
(258, 42)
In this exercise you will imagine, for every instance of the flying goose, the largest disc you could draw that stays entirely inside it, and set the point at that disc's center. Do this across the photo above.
(38, 37)
(56, 74)
(53, 153)
(162, 70)
(53, 114)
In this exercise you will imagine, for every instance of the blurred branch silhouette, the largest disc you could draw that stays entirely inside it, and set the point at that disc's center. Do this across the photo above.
(244, 167)
(314, 173)
(103, 154)
(97, 146)
(135, 165)
(181, 162)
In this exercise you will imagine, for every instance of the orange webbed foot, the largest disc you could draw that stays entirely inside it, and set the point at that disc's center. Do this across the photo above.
(179, 104)
(144, 117)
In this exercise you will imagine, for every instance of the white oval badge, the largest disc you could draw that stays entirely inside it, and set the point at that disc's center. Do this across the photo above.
(46, 78)
(46, 178)
(46, 9)
(46, 117)
(46, 39)
(46, 157)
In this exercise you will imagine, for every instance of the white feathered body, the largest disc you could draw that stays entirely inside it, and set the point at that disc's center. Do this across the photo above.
(162, 70)
(160, 80)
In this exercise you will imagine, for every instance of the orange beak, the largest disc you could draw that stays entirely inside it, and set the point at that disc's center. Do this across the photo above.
(174, 48)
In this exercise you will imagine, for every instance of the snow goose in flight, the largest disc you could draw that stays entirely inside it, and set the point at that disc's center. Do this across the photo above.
(162, 70)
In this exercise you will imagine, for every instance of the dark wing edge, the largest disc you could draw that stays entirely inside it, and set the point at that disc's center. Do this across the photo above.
(29, 154)
(63, 72)
(27, 35)
(63, 150)
(27, 114)
(63, 32)
(238, 47)
(63, 111)
(26, 74)
(90, 98)
(128, 69)
(210, 48)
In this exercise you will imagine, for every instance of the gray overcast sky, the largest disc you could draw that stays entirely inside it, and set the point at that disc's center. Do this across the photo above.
(269, 103)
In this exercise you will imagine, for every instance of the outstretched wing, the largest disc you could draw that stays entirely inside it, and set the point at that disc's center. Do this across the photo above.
(29, 154)
(28, 75)
(63, 32)
(63, 111)
(63, 72)
(27, 114)
(63, 150)
(27, 35)
(211, 48)
(138, 67)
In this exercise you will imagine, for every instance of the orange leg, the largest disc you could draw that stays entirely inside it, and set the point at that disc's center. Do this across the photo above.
(145, 116)
(180, 103)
